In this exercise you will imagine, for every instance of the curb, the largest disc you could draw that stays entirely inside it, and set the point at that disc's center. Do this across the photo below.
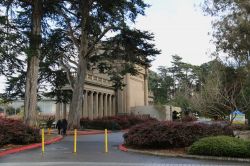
(125, 149)
(28, 147)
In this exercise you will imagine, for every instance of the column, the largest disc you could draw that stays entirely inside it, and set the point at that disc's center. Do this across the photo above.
(100, 104)
(105, 105)
(120, 102)
(82, 106)
(113, 106)
(146, 87)
(85, 104)
(127, 93)
(58, 109)
(64, 111)
(96, 113)
(90, 103)
(109, 105)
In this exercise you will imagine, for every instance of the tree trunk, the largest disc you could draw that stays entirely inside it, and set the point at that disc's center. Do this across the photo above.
(78, 87)
(77, 97)
(30, 101)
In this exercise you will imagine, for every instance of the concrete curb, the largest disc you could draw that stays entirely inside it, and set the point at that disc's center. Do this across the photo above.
(28, 147)
(125, 149)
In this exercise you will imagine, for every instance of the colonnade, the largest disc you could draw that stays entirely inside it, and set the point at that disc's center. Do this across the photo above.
(97, 104)
(94, 105)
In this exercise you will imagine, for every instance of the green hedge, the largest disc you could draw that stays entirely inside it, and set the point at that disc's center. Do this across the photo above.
(222, 146)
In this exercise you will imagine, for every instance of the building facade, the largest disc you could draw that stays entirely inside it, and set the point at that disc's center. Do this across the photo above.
(100, 98)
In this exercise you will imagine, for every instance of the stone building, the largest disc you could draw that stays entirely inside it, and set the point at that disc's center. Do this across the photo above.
(100, 98)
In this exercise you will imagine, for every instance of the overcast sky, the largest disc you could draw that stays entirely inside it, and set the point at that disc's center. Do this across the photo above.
(179, 27)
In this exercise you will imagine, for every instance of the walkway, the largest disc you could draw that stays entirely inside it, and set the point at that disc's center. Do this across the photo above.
(90, 153)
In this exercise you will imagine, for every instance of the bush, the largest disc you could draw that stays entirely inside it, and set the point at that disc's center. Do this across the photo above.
(159, 135)
(222, 146)
(188, 119)
(114, 122)
(15, 132)
(239, 127)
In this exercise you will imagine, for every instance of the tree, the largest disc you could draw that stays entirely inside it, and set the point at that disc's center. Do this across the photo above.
(232, 27)
(27, 17)
(10, 45)
(160, 84)
(84, 25)
(222, 92)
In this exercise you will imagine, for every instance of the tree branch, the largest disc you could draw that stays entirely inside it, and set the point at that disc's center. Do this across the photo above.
(27, 1)
(69, 76)
(71, 32)
(92, 47)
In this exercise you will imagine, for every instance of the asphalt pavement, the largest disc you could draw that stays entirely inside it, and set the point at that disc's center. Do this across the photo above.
(90, 152)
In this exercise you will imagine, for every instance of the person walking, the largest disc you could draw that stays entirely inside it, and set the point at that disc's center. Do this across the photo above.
(64, 126)
(59, 126)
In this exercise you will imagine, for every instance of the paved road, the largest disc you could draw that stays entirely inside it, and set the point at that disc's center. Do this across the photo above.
(91, 153)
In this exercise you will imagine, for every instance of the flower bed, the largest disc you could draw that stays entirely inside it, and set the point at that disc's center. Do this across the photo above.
(114, 122)
(160, 135)
(15, 132)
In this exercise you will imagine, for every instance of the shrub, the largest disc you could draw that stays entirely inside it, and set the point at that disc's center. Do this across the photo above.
(188, 119)
(114, 122)
(239, 127)
(15, 132)
(222, 146)
(171, 134)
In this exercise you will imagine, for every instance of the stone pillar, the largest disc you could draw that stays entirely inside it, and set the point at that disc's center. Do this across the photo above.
(85, 104)
(146, 87)
(64, 111)
(100, 104)
(109, 105)
(91, 103)
(58, 110)
(105, 105)
(113, 106)
(96, 107)
(120, 102)
(127, 94)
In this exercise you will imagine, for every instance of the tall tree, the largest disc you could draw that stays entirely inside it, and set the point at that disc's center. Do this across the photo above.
(231, 27)
(28, 17)
(97, 35)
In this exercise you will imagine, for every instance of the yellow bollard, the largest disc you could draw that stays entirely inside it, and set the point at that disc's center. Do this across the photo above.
(106, 141)
(75, 139)
(43, 140)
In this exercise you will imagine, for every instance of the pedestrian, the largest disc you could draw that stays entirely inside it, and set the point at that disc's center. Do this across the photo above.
(59, 126)
(64, 126)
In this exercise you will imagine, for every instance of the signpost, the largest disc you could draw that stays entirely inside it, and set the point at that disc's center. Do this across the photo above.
(238, 117)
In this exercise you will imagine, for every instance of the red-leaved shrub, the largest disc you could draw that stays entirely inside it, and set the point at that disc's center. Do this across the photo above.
(114, 122)
(15, 132)
(171, 134)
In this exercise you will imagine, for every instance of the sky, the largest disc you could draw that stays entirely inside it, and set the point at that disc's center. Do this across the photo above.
(179, 27)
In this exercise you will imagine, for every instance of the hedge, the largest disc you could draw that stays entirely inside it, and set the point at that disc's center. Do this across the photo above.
(222, 146)
(114, 122)
(159, 135)
(15, 132)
